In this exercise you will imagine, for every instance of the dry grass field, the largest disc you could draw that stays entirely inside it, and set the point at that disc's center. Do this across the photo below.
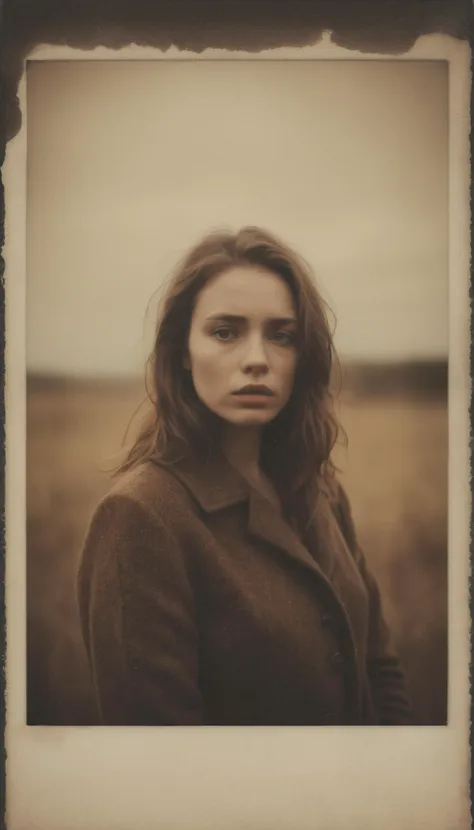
(395, 471)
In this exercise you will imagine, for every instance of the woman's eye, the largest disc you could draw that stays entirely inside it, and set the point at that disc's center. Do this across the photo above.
(223, 333)
(284, 338)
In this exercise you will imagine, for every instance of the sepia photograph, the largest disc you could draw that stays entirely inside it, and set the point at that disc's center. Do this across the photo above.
(237, 392)
(237, 415)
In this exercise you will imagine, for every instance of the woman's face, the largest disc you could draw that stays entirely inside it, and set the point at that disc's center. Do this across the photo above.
(242, 345)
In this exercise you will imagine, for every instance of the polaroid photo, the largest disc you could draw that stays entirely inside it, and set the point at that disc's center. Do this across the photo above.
(237, 386)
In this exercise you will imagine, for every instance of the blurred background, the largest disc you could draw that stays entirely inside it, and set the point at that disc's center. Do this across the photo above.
(129, 163)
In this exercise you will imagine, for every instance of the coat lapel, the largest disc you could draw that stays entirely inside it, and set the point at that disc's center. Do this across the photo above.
(340, 568)
(216, 485)
(332, 562)
(267, 524)
(329, 557)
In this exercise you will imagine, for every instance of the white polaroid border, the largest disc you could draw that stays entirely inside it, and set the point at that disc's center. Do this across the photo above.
(236, 777)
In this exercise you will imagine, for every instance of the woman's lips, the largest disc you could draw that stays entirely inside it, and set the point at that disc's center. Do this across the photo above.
(254, 396)
(255, 390)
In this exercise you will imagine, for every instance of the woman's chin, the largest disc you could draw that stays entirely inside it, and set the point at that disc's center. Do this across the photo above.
(249, 418)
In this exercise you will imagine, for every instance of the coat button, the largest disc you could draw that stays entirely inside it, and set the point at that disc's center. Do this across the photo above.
(337, 659)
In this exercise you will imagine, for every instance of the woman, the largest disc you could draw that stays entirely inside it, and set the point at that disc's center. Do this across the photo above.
(221, 581)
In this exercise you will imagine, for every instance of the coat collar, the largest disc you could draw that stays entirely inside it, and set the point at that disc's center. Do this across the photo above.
(216, 485)
(212, 481)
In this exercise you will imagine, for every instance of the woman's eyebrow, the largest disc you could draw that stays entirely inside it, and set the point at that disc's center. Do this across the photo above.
(237, 318)
(282, 321)
(228, 318)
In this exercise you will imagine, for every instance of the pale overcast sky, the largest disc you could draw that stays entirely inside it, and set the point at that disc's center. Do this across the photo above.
(129, 162)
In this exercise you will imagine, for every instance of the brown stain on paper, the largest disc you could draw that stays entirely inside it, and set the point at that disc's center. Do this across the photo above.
(369, 26)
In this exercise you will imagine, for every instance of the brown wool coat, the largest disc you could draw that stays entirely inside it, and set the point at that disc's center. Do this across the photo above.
(199, 605)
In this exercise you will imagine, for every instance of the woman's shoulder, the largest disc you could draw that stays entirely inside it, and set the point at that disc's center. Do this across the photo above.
(145, 513)
(150, 488)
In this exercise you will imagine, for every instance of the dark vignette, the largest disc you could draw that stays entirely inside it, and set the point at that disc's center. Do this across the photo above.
(383, 26)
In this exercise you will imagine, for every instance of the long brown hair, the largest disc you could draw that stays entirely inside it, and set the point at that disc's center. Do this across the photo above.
(297, 444)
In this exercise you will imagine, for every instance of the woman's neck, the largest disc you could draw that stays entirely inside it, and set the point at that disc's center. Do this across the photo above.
(241, 446)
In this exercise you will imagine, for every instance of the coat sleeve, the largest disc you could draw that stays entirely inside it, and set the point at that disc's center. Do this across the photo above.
(387, 679)
(138, 618)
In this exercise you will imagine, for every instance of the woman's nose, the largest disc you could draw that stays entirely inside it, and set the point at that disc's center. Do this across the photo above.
(255, 360)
